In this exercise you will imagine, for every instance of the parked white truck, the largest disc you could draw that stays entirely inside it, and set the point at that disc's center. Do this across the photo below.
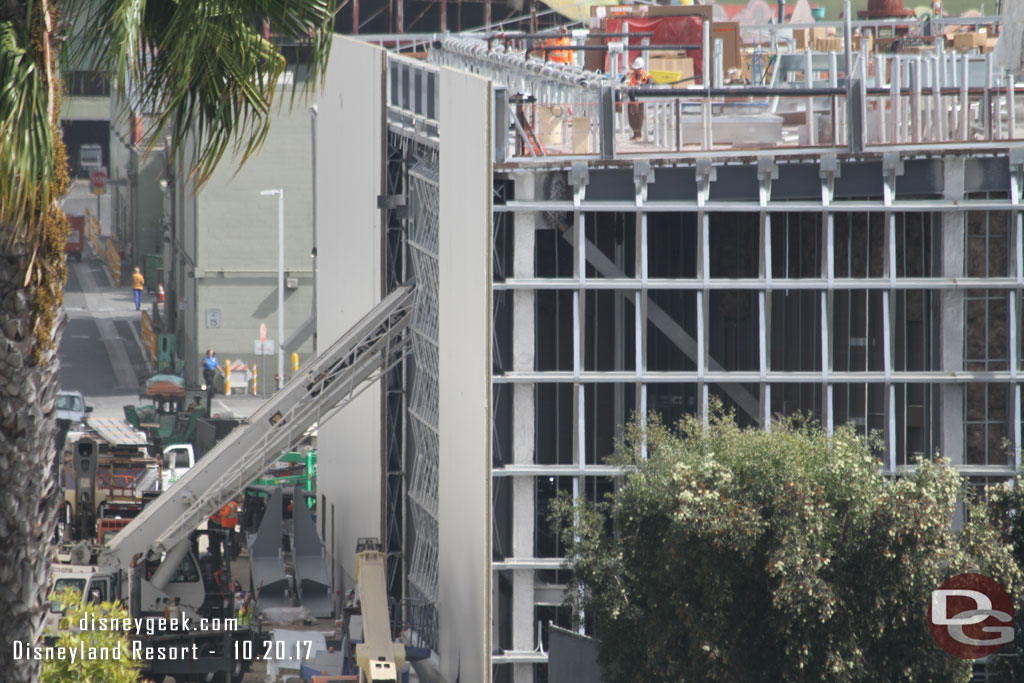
(177, 460)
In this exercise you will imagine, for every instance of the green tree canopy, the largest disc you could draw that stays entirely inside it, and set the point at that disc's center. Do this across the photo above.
(732, 554)
(98, 664)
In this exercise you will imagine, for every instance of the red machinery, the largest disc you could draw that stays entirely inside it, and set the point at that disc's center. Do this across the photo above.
(76, 237)
(885, 9)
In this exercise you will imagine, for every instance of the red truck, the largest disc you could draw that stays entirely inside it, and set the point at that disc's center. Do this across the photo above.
(76, 237)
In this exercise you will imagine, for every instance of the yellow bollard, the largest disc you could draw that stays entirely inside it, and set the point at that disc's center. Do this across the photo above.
(255, 379)
(295, 363)
(227, 377)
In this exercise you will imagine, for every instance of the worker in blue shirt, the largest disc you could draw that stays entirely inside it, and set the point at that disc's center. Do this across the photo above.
(210, 370)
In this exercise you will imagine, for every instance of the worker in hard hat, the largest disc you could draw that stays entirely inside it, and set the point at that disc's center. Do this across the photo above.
(636, 77)
(561, 56)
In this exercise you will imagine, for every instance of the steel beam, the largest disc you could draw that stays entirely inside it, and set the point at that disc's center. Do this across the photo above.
(805, 284)
(740, 206)
(774, 377)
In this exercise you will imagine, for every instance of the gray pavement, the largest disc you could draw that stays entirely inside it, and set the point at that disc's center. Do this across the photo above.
(101, 352)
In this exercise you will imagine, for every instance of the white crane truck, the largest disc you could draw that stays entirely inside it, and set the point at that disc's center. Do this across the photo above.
(181, 602)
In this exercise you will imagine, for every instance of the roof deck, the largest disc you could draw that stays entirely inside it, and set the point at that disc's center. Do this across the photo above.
(934, 95)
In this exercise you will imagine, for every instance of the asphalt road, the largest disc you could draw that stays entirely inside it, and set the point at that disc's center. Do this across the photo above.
(101, 353)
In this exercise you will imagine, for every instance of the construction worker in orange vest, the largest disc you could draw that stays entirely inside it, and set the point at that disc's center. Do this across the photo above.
(637, 76)
(226, 518)
(560, 56)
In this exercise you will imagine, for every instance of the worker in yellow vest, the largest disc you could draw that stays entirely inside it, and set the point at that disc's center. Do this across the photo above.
(138, 284)
(243, 609)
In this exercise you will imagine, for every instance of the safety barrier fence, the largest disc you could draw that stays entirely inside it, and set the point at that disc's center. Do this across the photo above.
(105, 248)
(237, 375)
(149, 337)
(112, 258)
(93, 231)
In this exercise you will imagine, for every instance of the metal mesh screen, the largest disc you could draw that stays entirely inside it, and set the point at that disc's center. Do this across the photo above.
(423, 400)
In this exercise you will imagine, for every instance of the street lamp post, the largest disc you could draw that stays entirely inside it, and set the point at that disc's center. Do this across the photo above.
(280, 280)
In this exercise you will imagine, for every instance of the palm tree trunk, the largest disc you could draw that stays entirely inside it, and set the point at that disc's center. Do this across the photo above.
(29, 494)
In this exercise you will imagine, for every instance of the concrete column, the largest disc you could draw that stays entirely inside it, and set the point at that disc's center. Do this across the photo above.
(951, 314)
(523, 429)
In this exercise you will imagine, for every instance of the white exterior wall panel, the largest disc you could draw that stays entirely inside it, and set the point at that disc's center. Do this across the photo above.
(348, 176)
(464, 507)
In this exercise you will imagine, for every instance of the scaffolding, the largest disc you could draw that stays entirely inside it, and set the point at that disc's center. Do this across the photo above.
(861, 264)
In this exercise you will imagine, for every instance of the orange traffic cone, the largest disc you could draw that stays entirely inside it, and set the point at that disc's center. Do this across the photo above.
(160, 291)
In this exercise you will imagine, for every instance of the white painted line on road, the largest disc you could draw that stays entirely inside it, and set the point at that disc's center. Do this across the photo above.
(123, 372)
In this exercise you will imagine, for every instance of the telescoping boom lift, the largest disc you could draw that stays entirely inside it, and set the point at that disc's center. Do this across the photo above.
(162, 532)
(379, 657)
(331, 381)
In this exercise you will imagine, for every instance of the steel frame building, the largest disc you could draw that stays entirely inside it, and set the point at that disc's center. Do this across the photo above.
(872, 278)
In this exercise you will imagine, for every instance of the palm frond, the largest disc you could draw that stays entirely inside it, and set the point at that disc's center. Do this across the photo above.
(203, 66)
(26, 136)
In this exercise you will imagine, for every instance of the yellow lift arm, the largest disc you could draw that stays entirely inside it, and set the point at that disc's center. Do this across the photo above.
(379, 658)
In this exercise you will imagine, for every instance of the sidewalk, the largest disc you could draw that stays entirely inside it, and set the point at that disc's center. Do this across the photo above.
(236, 405)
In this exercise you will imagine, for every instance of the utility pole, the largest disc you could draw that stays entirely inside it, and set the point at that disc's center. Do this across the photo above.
(280, 280)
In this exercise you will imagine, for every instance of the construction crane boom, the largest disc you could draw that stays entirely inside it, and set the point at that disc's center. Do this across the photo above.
(360, 357)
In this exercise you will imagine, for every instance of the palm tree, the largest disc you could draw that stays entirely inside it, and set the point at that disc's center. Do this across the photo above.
(208, 66)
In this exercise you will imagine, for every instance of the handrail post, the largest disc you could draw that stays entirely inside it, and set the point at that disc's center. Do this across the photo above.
(606, 121)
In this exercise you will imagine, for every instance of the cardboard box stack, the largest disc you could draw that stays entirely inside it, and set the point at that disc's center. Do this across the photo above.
(729, 33)
(674, 62)
(829, 45)
(969, 40)
(825, 40)
(821, 40)
(857, 41)
(802, 38)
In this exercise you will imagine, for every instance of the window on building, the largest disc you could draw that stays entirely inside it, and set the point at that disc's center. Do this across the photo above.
(986, 339)
(87, 84)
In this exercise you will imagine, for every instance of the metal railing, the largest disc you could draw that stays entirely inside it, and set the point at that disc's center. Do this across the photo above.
(903, 100)
(940, 98)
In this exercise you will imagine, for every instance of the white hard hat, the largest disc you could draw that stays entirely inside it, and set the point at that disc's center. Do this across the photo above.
(638, 63)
